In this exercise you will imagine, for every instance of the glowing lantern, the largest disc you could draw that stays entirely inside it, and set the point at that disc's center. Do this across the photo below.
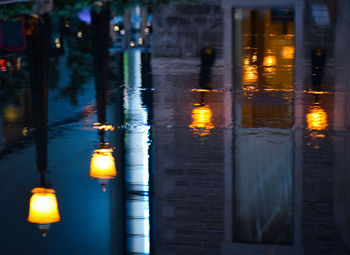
(202, 120)
(316, 118)
(43, 208)
(287, 52)
(102, 164)
(269, 60)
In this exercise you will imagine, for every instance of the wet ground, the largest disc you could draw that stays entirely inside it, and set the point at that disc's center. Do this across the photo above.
(216, 128)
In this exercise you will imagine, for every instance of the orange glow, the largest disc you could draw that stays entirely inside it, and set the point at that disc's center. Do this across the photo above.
(43, 208)
(316, 118)
(205, 90)
(287, 52)
(102, 164)
(250, 74)
(202, 120)
(270, 60)
(105, 127)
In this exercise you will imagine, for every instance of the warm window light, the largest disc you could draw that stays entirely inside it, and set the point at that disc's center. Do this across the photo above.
(43, 208)
(102, 164)
(250, 74)
(316, 118)
(202, 120)
(269, 60)
(287, 52)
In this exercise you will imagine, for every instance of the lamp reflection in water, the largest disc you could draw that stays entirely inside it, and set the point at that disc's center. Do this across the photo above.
(202, 120)
(317, 122)
(43, 207)
(316, 118)
(102, 166)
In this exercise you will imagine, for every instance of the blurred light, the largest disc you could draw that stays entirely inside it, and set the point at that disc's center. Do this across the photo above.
(254, 58)
(122, 32)
(146, 30)
(12, 113)
(105, 127)
(57, 43)
(316, 118)
(43, 208)
(80, 34)
(3, 64)
(269, 60)
(102, 164)
(67, 24)
(287, 52)
(140, 41)
(202, 120)
(116, 28)
(85, 16)
(250, 74)
(18, 63)
(132, 43)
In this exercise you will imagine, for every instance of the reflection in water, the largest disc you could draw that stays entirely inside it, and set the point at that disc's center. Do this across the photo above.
(136, 157)
(201, 120)
(316, 118)
(43, 208)
(264, 186)
(102, 164)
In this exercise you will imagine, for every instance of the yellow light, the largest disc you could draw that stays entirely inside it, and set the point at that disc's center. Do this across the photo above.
(316, 118)
(202, 120)
(102, 164)
(132, 43)
(250, 74)
(270, 60)
(105, 127)
(13, 113)
(140, 41)
(116, 28)
(80, 34)
(287, 52)
(57, 43)
(43, 208)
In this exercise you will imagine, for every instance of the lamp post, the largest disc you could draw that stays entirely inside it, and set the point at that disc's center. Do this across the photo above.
(43, 207)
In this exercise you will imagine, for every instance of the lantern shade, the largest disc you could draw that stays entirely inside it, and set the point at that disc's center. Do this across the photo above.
(43, 208)
(102, 164)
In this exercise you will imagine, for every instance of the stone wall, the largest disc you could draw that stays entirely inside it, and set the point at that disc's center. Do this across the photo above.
(181, 30)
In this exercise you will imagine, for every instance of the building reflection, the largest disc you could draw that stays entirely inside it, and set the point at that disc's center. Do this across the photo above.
(263, 190)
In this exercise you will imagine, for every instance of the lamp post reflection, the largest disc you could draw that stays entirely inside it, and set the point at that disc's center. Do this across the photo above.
(43, 207)
(102, 166)
(202, 121)
(202, 114)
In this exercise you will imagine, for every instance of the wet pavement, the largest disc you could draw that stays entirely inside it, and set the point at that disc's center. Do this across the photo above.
(214, 128)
